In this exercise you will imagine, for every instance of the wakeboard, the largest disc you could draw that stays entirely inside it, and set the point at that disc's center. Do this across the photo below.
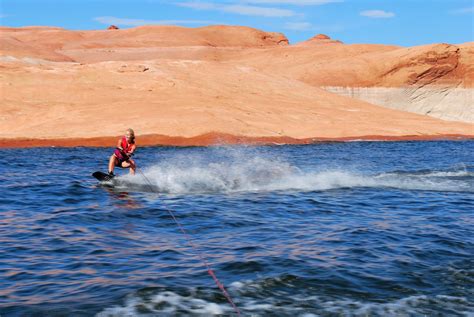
(118, 182)
(102, 177)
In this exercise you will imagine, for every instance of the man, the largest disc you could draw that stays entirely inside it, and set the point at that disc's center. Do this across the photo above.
(123, 153)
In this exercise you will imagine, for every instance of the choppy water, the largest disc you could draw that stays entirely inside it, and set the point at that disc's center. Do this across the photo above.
(336, 229)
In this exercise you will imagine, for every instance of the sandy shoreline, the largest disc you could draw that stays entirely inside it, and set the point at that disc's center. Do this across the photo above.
(211, 139)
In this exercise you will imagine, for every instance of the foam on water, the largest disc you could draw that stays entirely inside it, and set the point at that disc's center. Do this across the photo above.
(234, 171)
(167, 303)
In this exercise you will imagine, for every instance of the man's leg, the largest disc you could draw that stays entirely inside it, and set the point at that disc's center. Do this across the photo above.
(130, 163)
(112, 161)
(133, 167)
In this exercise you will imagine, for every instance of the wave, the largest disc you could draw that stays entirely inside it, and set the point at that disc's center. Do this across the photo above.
(235, 171)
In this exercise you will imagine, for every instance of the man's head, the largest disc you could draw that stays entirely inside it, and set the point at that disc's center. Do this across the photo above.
(130, 135)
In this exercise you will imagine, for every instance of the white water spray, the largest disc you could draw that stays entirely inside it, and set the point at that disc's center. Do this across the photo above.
(229, 170)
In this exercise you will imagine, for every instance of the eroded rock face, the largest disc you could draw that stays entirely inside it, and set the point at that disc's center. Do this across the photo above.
(275, 38)
(425, 66)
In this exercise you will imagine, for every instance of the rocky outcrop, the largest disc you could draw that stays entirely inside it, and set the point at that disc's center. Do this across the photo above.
(321, 37)
(319, 40)
(274, 38)
(421, 66)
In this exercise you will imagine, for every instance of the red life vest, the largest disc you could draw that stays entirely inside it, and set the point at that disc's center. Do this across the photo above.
(125, 145)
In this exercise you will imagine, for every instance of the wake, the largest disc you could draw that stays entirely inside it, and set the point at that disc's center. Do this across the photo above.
(232, 171)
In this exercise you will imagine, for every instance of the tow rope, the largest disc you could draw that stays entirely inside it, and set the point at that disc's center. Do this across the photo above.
(201, 258)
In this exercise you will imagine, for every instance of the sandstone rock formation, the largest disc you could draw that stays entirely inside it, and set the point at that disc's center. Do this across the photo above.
(222, 82)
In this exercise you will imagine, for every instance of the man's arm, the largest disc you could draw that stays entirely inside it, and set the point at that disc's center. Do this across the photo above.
(132, 149)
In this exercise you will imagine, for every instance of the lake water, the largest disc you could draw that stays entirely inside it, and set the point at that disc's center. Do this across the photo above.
(330, 229)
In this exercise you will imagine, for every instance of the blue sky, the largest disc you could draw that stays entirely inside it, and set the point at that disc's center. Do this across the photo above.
(399, 22)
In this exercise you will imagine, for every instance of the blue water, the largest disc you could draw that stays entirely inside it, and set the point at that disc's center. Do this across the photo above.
(334, 229)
